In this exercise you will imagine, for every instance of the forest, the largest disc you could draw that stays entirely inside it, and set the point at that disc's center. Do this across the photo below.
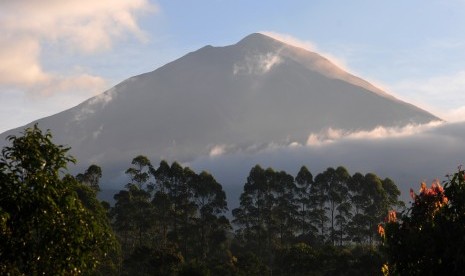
(330, 219)
(170, 220)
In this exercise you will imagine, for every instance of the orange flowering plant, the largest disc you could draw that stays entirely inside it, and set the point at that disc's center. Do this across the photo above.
(429, 237)
(428, 202)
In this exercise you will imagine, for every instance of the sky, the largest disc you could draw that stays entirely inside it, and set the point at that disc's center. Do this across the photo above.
(55, 54)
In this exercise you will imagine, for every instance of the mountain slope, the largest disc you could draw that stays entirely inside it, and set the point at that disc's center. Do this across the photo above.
(215, 99)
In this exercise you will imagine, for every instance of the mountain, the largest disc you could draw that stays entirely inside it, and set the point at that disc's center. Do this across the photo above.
(219, 99)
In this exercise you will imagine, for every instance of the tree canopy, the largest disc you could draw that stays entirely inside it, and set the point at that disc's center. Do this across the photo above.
(45, 228)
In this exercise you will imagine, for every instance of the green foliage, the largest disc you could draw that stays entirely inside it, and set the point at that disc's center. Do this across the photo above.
(428, 239)
(371, 198)
(45, 227)
(299, 259)
(109, 260)
(292, 226)
(334, 183)
(194, 269)
(302, 259)
(304, 182)
(170, 212)
(153, 261)
(91, 177)
(335, 208)
(248, 263)
(268, 213)
(209, 224)
(139, 172)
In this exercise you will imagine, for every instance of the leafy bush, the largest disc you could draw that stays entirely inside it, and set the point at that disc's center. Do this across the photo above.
(429, 238)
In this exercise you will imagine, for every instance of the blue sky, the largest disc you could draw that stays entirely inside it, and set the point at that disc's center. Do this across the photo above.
(55, 54)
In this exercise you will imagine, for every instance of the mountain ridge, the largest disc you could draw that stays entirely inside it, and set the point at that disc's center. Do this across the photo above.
(324, 63)
(257, 91)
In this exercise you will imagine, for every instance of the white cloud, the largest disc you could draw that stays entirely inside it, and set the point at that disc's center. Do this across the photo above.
(455, 115)
(309, 46)
(257, 64)
(331, 135)
(89, 107)
(217, 150)
(21, 67)
(20, 62)
(97, 133)
(295, 145)
(289, 39)
(84, 83)
(85, 24)
(79, 25)
(103, 98)
(407, 155)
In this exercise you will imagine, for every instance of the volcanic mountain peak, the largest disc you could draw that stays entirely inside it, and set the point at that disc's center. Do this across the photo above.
(257, 91)
(258, 42)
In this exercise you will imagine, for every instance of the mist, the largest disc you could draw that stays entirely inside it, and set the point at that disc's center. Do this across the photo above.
(407, 159)
(425, 153)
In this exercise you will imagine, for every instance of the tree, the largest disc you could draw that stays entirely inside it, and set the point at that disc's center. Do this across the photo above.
(133, 210)
(267, 215)
(376, 204)
(44, 226)
(123, 219)
(91, 177)
(304, 181)
(428, 238)
(358, 199)
(253, 215)
(173, 201)
(109, 263)
(342, 220)
(210, 222)
(338, 197)
(333, 192)
(392, 193)
(161, 201)
(318, 194)
(145, 261)
(299, 259)
(370, 201)
(139, 173)
(149, 218)
(285, 215)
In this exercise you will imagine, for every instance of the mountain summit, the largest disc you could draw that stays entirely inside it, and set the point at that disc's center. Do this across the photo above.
(257, 91)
